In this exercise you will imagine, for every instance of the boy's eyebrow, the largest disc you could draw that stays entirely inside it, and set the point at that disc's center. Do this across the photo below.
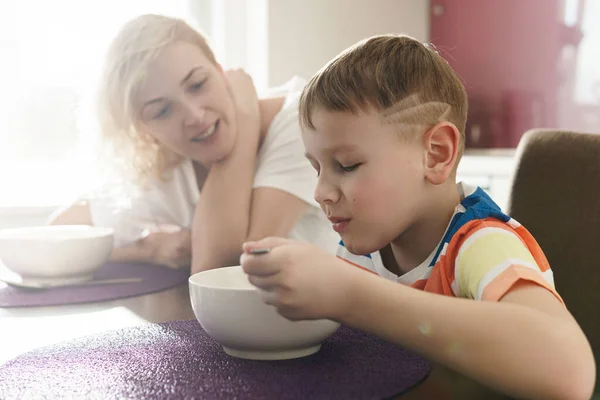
(336, 149)
(343, 148)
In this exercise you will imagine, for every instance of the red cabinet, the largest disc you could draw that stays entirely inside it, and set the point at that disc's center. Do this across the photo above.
(508, 53)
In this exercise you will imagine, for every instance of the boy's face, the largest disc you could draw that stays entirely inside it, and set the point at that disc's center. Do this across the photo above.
(371, 181)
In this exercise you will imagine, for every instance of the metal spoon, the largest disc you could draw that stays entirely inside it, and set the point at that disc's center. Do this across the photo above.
(46, 285)
(259, 251)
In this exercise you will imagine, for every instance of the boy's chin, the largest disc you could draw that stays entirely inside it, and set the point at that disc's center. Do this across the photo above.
(357, 248)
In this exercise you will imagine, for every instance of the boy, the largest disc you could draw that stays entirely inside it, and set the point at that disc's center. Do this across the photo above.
(383, 124)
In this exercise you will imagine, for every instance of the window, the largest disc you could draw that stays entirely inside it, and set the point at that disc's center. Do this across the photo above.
(52, 54)
(587, 89)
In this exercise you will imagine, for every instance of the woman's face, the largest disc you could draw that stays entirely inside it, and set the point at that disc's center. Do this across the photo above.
(185, 104)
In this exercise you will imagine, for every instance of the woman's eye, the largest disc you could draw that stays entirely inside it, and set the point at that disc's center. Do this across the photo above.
(197, 86)
(350, 168)
(162, 113)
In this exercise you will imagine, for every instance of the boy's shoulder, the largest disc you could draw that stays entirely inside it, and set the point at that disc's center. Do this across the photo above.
(479, 221)
(476, 208)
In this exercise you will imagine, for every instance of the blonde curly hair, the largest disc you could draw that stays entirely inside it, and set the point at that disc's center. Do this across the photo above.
(138, 43)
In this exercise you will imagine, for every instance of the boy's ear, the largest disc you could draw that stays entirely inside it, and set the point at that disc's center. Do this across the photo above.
(441, 151)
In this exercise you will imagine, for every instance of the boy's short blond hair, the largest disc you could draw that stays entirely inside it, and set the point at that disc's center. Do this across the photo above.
(138, 43)
(400, 77)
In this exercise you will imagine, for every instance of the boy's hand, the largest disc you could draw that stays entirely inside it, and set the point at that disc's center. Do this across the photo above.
(299, 279)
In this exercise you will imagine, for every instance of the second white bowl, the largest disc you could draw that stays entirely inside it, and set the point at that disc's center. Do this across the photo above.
(67, 253)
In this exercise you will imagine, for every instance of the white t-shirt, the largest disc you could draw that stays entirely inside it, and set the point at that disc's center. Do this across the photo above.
(280, 164)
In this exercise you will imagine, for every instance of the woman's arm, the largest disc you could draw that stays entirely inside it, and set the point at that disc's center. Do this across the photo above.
(221, 218)
(76, 214)
(173, 249)
(229, 210)
(169, 248)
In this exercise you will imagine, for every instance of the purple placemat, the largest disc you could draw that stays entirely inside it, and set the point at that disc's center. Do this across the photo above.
(154, 279)
(177, 360)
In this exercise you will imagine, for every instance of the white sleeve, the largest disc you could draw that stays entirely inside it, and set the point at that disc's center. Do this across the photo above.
(128, 216)
(281, 162)
(131, 211)
(128, 226)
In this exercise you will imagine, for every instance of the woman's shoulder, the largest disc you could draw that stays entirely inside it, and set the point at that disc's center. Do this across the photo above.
(285, 124)
(289, 88)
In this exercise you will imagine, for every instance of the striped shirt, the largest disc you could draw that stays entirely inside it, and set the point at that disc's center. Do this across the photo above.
(481, 255)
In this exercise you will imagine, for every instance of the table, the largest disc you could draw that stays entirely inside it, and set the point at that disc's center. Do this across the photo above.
(24, 329)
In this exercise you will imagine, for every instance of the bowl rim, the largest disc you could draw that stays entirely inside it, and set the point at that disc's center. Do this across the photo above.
(99, 232)
(192, 281)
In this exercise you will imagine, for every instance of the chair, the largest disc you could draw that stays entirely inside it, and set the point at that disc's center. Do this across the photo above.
(556, 195)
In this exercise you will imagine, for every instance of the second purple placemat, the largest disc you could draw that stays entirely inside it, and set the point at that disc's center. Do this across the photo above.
(154, 279)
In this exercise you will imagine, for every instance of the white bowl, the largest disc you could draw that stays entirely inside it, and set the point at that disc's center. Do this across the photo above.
(232, 312)
(55, 254)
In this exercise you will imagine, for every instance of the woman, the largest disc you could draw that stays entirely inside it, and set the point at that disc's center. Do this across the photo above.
(214, 166)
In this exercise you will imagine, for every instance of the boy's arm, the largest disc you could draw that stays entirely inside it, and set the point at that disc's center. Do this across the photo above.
(526, 345)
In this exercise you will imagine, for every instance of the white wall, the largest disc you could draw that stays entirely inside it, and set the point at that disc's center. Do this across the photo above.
(304, 35)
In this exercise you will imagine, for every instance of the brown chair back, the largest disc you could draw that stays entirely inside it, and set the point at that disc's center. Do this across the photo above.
(556, 196)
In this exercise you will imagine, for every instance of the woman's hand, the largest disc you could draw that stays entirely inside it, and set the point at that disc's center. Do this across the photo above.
(169, 246)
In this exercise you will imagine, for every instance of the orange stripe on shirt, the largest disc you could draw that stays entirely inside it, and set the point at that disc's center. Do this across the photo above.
(504, 282)
(356, 265)
(420, 284)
